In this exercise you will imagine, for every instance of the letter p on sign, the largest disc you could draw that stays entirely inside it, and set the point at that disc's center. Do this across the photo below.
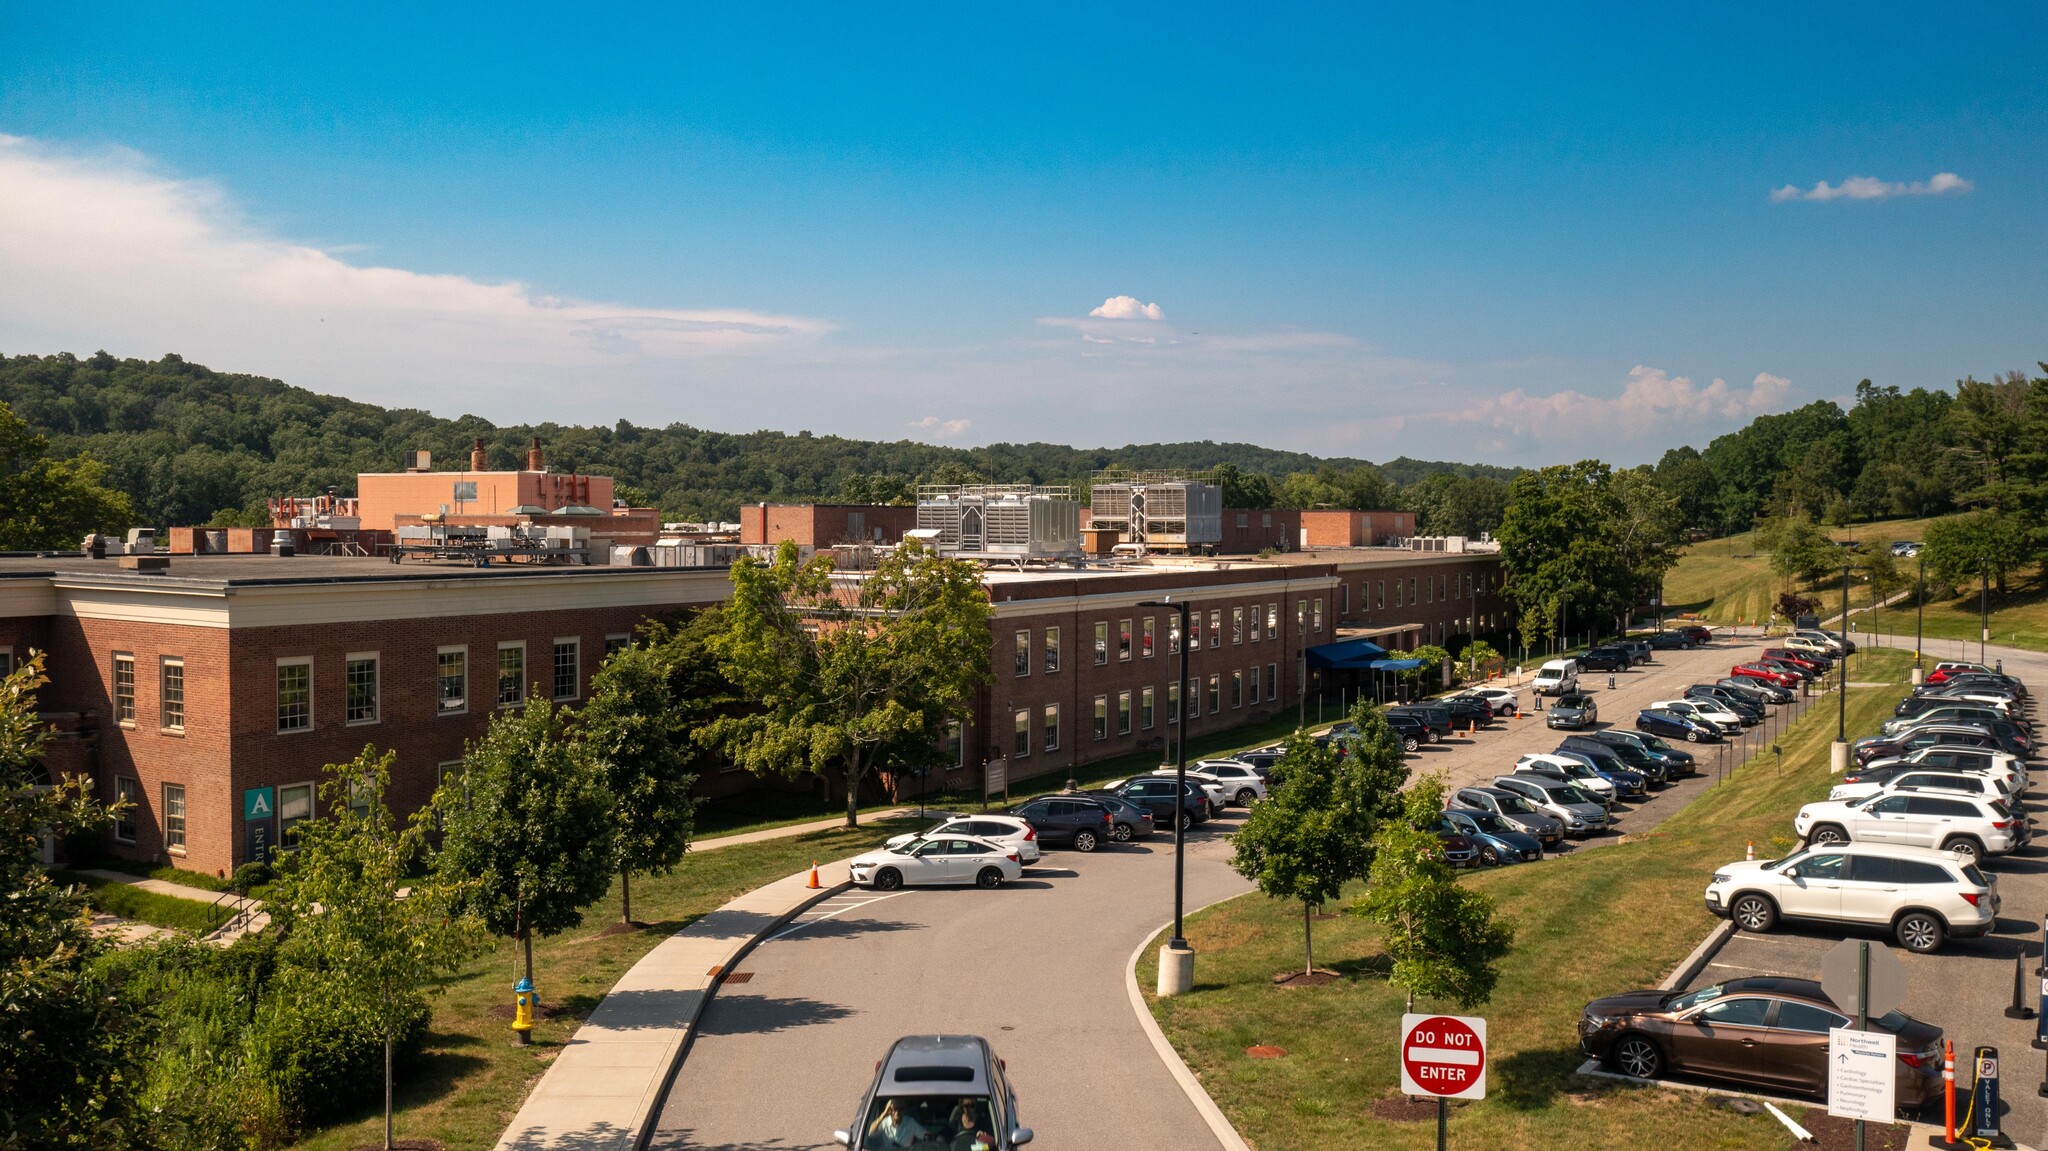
(1443, 1055)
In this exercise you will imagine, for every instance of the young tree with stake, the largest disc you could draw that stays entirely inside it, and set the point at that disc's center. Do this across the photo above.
(1441, 935)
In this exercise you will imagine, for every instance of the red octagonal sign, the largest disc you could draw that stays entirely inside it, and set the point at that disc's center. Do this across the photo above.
(1443, 1055)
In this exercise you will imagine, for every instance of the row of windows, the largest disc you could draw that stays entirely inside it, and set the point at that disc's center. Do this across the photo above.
(1372, 594)
(1139, 706)
(1254, 622)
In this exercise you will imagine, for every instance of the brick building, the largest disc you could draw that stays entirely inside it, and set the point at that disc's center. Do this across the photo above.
(823, 525)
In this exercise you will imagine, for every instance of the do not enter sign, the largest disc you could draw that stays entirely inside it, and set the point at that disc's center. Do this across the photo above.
(1443, 1055)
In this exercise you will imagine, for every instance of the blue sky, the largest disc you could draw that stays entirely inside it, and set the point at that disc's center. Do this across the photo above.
(1454, 232)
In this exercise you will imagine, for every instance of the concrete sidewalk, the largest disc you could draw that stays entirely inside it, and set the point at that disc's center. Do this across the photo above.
(837, 821)
(604, 1091)
(246, 915)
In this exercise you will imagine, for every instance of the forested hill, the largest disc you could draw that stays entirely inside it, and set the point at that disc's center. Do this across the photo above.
(188, 443)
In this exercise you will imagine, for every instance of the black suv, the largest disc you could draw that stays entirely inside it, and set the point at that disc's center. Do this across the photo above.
(1672, 641)
(1605, 658)
(1068, 821)
(1747, 710)
(1436, 716)
(1156, 795)
(1632, 756)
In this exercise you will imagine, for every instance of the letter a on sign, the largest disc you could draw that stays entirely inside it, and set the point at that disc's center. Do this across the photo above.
(1443, 1055)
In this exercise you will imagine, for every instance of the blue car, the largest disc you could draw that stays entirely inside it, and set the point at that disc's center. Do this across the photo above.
(1627, 784)
(1498, 842)
(1676, 726)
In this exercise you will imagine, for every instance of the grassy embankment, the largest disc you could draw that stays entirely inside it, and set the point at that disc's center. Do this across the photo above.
(1586, 925)
(113, 897)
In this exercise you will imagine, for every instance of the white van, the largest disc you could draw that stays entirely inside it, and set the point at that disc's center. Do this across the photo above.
(1558, 677)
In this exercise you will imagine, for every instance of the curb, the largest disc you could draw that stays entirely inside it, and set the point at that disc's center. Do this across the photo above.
(1691, 965)
(1177, 1067)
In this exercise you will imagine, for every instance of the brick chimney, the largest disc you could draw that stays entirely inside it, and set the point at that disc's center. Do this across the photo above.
(479, 460)
(534, 461)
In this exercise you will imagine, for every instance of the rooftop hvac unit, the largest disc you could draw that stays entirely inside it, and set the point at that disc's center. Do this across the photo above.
(1003, 521)
(1159, 514)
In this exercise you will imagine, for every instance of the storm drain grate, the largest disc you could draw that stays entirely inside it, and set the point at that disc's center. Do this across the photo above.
(740, 977)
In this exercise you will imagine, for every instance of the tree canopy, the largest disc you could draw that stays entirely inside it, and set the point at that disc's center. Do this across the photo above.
(1582, 541)
(48, 503)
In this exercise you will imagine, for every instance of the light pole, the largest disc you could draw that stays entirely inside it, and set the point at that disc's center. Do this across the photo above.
(1983, 609)
(1177, 959)
(1919, 616)
(1838, 752)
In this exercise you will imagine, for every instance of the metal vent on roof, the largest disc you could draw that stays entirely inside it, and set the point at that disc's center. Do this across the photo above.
(577, 510)
(526, 510)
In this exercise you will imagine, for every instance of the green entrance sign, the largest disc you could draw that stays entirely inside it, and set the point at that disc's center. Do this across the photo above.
(259, 803)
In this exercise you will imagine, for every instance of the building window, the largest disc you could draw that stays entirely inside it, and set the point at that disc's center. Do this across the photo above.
(451, 676)
(359, 687)
(1273, 682)
(1194, 699)
(174, 817)
(1146, 707)
(1236, 625)
(1173, 703)
(1343, 600)
(1101, 644)
(1215, 694)
(172, 699)
(1380, 594)
(1300, 618)
(1052, 727)
(568, 668)
(956, 744)
(1022, 662)
(1244, 519)
(616, 642)
(1216, 627)
(124, 690)
(1397, 593)
(1265, 519)
(1123, 641)
(511, 673)
(464, 491)
(1236, 688)
(1021, 720)
(295, 694)
(1272, 620)
(1316, 615)
(1194, 631)
(127, 793)
(1412, 600)
(1252, 685)
(1102, 717)
(1052, 649)
(1173, 634)
(294, 806)
(6, 661)
(1123, 713)
(1458, 586)
(1145, 637)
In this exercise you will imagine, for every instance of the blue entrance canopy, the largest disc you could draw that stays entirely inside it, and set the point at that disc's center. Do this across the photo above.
(1394, 664)
(1346, 655)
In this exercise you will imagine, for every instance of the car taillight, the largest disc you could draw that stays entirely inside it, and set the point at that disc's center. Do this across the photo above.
(1971, 896)
(1030, 833)
(1012, 857)
(2001, 824)
(1910, 1058)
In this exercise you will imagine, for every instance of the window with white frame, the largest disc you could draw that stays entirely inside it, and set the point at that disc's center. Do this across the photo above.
(174, 817)
(360, 688)
(1123, 713)
(511, 673)
(128, 794)
(568, 668)
(1215, 694)
(1252, 684)
(1173, 633)
(1145, 637)
(1052, 650)
(1146, 707)
(1236, 625)
(124, 689)
(1123, 641)
(1022, 661)
(1052, 727)
(6, 661)
(1173, 703)
(295, 694)
(1194, 699)
(1102, 717)
(956, 744)
(1273, 620)
(1216, 627)
(1021, 719)
(171, 697)
(1273, 682)
(451, 679)
(1236, 687)
(294, 806)
(1101, 644)
(1300, 617)
(617, 641)
(1316, 617)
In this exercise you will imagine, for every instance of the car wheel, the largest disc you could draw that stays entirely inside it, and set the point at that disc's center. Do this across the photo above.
(989, 877)
(1433, 736)
(1084, 840)
(1692, 737)
(1753, 913)
(1920, 932)
(1827, 833)
(888, 879)
(1637, 1056)
(1186, 821)
(1409, 743)
(1121, 833)
(1245, 797)
(1963, 845)
(1489, 856)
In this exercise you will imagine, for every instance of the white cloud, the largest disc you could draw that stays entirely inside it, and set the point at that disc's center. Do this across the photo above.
(942, 428)
(1872, 188)
(1127, 308)
(103, 250)
(1653, 405)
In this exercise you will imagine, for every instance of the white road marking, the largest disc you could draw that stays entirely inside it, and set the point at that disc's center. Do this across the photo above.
(834, 912)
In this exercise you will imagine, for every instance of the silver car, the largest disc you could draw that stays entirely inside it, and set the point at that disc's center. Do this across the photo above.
(1517, 812)
(1580, 813)
(937, 1091)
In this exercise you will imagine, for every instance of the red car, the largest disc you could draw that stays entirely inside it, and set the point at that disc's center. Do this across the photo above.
(1769, 675)
(1698, 633)
(1945, 670)
(1802, 659)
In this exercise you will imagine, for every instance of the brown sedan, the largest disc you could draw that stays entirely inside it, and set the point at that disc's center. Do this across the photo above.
(1768, 1032)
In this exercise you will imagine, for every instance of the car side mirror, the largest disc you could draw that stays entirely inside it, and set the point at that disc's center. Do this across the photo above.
(1020, 1135)
(844, 1138)
(1791, 873)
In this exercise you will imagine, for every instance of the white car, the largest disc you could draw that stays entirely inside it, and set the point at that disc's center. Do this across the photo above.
(1242, 784)
(1575, 772)
(2010, 770)
(1500, 699)
(951, 859)
(1706, 711)
(1013, 833)
(1921, 896)
(1944, 782)
(1969, 827)
(1949, 713)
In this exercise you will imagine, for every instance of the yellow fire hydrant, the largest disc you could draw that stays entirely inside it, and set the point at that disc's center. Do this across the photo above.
(523, 998)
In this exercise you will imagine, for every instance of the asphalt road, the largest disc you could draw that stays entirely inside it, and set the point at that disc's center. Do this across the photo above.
(1965, 987)
(1037, 966)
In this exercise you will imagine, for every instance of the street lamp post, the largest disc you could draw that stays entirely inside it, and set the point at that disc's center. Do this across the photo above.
(1919, 616)
(1177, 959)
(1983, 610)
(1838, 752)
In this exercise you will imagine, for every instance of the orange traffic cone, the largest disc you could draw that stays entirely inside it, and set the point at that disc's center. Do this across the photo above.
(815, 885)
(1748, 855)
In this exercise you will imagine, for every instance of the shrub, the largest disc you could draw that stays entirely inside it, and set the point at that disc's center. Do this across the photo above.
(321, 1053)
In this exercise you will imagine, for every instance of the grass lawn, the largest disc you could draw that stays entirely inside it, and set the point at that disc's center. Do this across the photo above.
(471, 1079)
(1729, 579)
(205, 881)
(1586, 925)
(131, 902)
(2019, 618)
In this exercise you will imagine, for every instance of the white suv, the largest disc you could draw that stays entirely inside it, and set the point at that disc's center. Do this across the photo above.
(1238, 780)
(1922, 897)
(1997, 764)
(1969, 827)
(1959, 782)
(1705, 711)
(1012, 833)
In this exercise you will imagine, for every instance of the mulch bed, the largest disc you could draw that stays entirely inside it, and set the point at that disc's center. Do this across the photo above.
(403, 1145)
(616, 927)
(1265, 1051)
(1401, 1109)
(1316, 978)
(1832, 1134)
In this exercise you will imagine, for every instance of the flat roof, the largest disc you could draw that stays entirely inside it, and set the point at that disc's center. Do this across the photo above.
(263, 568)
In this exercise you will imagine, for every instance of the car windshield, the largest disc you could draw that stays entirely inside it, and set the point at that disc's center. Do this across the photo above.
(921, 1121)
(907, 846)
(1655, 744)
(1693, 999)
(1489, 822)
(1570, 794)
(1514, 805)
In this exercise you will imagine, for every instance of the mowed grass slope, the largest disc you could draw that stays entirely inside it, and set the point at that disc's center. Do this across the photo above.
(1586, 925)
(1726, 580)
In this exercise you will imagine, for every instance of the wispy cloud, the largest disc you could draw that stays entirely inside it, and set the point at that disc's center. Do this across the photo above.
(1872, 188)
(1653, 404)
(935, 426)
(1127, 308)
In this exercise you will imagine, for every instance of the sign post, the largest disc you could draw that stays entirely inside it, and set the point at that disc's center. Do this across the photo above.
(1443, 1056)
(1864, 983)
(259, 808)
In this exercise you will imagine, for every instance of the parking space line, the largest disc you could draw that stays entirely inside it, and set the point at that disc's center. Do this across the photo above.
(830, 914)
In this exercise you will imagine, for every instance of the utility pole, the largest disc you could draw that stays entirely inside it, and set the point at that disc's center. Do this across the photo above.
(1983, 609)
(1177, 959)
(1919, 616)
(1838, 752)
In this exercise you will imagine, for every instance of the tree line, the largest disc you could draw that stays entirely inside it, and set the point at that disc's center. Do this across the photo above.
(189, 446)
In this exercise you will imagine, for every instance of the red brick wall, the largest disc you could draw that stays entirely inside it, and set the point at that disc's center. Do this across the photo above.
(1440, 603)
(822, 525)
(1247, 531)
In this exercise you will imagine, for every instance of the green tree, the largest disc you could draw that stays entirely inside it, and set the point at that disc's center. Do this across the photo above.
(1799, 548)
(49, 503)
(1441, 935)
(69, 1048)
(356, 921)
(844, 668)
(641, 725)
(527, 827)
(1315, 834)
(1579, 541)
(1242, 489)
(1962, 548)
